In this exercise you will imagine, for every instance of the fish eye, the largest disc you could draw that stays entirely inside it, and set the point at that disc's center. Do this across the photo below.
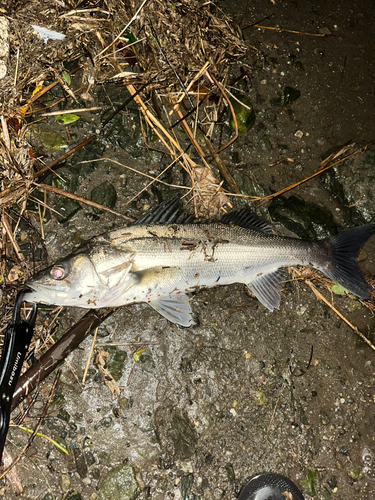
(58, 272)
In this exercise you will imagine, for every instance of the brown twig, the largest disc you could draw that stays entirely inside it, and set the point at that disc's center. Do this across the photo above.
(321, 297)
(285, 30)
(82, 200)
(39, 94)
(90, 356)
(232, 113)
(224, 172)
(37, 111)
(318, 172)
(69, 111)
(341, 150)
(52, 166)
(9, 232)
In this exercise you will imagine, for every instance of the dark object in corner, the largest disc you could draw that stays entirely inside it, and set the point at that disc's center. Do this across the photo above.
(17, 339)
(270, 486)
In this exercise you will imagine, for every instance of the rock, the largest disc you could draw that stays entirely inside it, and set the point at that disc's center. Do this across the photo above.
(52, 140)
(63, 415)
(173, 427)
(74, 496)
(299, 66)
(290, 95)
(247, 184)
(4, 45)
(250, 187)
(307, 220)
(132, 142)
(186, 483)
(105, 194)
(265, 143)
(245, 115)
(65, 483)
(352, 183)
(78, 171)
(147, 361)
(80, 461)
(125, 130)
(104, 423)
(116, 362)
(89, 458)
(66, 208)
(119, 484)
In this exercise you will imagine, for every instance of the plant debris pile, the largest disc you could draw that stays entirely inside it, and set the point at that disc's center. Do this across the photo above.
(173, 60)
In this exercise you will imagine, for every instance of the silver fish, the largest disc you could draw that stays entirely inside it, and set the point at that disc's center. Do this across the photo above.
(160, 262)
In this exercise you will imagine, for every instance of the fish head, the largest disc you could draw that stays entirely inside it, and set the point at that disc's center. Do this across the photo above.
(72, 281)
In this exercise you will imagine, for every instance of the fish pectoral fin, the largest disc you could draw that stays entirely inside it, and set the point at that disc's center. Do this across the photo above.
(267, 287)
(114, 294)
(175, 308)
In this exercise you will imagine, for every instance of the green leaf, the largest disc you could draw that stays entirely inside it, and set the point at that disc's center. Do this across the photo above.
(66, 77)
(130, 36)
(66, 119)
(338, 290)
(308, 483)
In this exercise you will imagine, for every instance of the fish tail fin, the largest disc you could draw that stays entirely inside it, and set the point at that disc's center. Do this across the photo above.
(344, 269)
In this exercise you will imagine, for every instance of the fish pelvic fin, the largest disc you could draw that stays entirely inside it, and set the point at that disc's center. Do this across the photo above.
(174, 307)
(267, 287)
(344, 269)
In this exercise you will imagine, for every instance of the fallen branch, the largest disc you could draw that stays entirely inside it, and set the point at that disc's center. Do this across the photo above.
(57, 353)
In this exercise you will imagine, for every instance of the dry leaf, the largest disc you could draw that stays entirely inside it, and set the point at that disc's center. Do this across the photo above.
(110, 382)
(12, 475)
(211, 196)
(14, 273)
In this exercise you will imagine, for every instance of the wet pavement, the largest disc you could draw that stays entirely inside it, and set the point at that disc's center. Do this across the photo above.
(204, 408)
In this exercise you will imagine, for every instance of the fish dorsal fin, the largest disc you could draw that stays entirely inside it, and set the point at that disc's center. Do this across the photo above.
(170, 211)
(247, 219)
(267, 287)
(174, 307)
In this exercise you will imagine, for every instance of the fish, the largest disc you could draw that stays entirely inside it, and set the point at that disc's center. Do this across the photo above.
(166, 256)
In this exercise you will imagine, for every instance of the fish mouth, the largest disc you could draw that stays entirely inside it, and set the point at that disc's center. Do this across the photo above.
(36, 292)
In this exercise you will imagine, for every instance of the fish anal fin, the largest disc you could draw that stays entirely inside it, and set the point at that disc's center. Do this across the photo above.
(174, 307)
(266, 288)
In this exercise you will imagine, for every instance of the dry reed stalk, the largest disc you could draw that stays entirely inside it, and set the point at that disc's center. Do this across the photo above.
(354, 328)
(82, 200)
